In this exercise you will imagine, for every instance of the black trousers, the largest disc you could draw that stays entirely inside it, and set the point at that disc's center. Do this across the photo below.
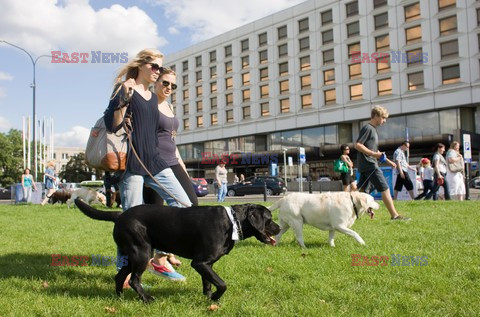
(433, 193)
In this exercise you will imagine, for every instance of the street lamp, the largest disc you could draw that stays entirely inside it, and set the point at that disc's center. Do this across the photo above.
(285, 165)
(33, 85)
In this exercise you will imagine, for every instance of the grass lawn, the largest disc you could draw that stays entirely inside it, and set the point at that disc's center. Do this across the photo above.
(262, 280)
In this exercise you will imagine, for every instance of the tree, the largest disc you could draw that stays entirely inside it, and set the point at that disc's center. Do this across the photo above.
(11, 157)
(77, 170)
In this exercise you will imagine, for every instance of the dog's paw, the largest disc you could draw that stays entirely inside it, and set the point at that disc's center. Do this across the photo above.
(147, 298)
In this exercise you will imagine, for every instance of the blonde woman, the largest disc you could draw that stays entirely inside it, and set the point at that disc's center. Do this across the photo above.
(50, 179)
(456, 183)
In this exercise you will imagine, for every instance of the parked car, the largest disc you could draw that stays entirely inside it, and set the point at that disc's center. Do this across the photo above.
(200, 186)
(255, 185)
(5, 193)
(475, 182)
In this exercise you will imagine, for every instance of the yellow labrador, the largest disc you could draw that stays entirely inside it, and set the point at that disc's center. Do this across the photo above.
(90, 196)
(326, 211)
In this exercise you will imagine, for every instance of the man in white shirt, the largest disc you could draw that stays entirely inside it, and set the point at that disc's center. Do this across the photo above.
(403, 179)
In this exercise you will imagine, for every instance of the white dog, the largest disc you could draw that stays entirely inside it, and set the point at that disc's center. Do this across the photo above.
(88, 195)
(327, 211)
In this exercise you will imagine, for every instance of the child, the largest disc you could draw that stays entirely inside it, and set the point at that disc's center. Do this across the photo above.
(426, 173)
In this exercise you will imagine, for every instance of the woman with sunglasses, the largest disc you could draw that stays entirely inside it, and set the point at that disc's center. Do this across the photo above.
(164, 87)
(132, 96)
(347, 178)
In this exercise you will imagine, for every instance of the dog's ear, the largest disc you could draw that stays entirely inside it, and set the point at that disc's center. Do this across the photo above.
(361, 200)
(255, 217)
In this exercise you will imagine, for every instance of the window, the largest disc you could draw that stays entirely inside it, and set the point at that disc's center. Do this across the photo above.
(383, 64)
(384, 87)
(262, 56)
(228, 67)
(355, 71)
(198, 76)
(284, 105)
(412, 12)
(265, 109)
(229, 99)
(356, 92)
(304, 43)
(305, 63)
(198, 61)
(478, 16)
(186, 95)
(263, 74)
(450, 74)
(246, 79)
(352, 8)
(330, 96)
(282, 50)
(305, 82)
(448, 25)
(213, 103)
(213, 119)
(264, 90)
(382, 43)
(228, 50)
(379, 3)
(262, 39)
(213, 56)
(245, 95)
(353, 29)
(415, 81)
(199, 90)
(245, 61)
(185, 80)
(244, 45)
(449, 49)
(414, 57)
(329, 76)
(282, 32)
(213, 72)
(283, 69)
(413, 35)
(284, 87)
(328, 56)
(327, 37)
(213, 87)
(172, 67)
(229, 83)
(381, 20)
(326, 17)
(199, 106)
(303, 25)
(354, 49)
(185, 109)
(186, 124)
(229, 115)
(246, 112)
(307, 101)
(185, 66)
(446, 4)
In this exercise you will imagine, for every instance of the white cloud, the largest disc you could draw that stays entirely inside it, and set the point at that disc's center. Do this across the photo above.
(76, 137)
(173, 30)
(5, 125)
(41, 26)
(5, 76)
(208, 18)
(3, 92)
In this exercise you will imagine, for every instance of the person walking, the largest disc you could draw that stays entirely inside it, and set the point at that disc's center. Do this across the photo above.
(50, 180)
(221, 179)
(403, 179)
(455, 179)
(27, 185)
(440, 173)
(426, 174)
(347, 177)
(371, 175)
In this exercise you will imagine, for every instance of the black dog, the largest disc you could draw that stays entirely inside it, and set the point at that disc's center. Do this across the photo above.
(201, 233)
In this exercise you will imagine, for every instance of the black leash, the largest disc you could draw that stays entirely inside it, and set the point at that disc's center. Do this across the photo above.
(354, 207)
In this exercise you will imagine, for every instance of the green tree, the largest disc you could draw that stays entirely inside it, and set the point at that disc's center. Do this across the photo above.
(77, 170)
(11, 157)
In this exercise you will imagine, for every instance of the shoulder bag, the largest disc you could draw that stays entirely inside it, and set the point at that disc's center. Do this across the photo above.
(456, 166)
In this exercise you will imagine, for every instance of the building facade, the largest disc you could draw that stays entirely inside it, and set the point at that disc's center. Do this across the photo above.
(308, 77)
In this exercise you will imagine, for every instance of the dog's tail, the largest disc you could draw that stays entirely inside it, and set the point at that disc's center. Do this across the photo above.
(276, 205)
(95, 213)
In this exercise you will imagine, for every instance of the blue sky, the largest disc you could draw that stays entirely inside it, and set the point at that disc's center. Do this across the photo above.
(76, 94)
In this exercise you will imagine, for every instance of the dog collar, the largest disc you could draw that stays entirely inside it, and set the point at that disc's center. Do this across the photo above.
(354, 207)
(237, 231)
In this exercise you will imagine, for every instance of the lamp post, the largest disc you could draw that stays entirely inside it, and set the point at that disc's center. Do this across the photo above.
(285, 165)
(33, 85)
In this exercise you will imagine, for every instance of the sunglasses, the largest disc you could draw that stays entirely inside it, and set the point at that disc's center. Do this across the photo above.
(156, 68)
(166, 83)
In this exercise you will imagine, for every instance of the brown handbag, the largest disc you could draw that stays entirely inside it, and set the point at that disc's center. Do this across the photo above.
(456, 166)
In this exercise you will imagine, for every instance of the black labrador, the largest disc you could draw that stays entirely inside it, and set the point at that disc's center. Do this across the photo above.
(201, 233)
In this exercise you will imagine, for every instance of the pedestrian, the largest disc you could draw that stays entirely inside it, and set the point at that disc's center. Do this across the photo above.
(403, 179)
(132, 97)
(371, 176)
(347, 177)
(455, 179)
(221, 179)
(28, 184)
(426, 174)
(50, 180)
(439, 177)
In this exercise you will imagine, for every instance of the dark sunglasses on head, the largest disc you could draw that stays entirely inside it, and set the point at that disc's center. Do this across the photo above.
(156, 68)
(166, 83)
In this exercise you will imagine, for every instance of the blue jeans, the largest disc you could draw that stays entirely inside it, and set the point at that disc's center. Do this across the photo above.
(222, 192)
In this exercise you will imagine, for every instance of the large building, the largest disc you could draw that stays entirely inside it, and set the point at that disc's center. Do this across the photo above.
(308, 77)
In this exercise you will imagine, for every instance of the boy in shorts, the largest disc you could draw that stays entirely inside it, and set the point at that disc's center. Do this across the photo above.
(370, 174)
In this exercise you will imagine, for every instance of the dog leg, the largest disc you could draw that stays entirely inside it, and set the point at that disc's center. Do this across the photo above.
(298, 229)
(138, 260)
(283, 228)
(120, 279)
(206, 272)
(352, 233)
(207, 287)
(331, 237)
